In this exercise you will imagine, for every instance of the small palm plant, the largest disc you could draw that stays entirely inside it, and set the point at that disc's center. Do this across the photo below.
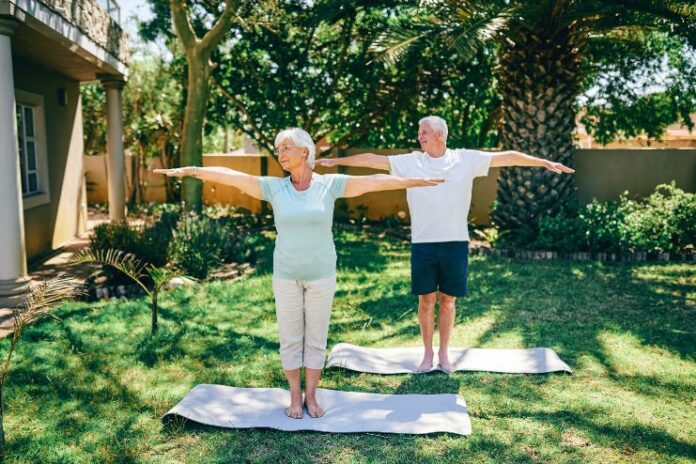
(39, 299)
(152, 279)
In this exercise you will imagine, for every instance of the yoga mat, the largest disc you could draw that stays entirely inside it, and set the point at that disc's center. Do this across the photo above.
(241, 408)
(406, 360)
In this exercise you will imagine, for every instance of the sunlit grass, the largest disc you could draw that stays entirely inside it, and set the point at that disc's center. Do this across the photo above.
(92, 387)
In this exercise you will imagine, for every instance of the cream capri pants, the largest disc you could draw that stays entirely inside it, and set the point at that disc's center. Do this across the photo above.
(303, 309)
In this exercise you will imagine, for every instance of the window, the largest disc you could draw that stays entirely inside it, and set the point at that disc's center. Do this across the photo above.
(26, 130)
(31, 144)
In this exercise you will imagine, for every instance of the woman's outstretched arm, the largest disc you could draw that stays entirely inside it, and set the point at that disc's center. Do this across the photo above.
(245, 182)
(358, 185)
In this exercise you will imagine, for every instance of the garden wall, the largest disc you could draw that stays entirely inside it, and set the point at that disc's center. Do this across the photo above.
(601, 174)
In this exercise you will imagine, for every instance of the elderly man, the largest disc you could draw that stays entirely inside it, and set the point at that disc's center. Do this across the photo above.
(439, 232)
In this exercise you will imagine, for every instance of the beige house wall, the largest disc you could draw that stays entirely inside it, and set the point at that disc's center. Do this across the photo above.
(49, 226)
(602, 174)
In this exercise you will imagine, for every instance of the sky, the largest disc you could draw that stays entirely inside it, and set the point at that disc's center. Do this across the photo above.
(131, 8)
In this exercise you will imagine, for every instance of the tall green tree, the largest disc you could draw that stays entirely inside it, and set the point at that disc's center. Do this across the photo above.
(198, 28)
(198, 50)
(543, 50)
(314, 70)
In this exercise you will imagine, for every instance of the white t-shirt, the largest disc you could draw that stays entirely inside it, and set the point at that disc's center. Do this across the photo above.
(439, 214)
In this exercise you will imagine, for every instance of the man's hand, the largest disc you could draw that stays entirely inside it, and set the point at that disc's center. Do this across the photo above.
(326, 162)
(558, 168)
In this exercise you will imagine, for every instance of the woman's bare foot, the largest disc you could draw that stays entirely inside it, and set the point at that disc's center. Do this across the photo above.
(445, 363)
(313, 408)
(427, 364)
(295, 409)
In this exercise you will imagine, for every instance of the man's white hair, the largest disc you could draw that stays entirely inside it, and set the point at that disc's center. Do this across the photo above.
(436, 123)
(300, 138)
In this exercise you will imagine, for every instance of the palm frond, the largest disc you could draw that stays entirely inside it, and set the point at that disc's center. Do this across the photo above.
(472, 31)
(161, 276)
(391, 45)
(461, 25)
(42, 296)
(127, 263)
(674, 16)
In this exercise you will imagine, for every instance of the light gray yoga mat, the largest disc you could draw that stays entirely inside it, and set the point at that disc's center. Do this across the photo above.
(406, 360)
(234, 407)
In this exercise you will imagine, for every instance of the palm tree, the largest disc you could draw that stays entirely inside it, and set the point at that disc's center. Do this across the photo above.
(39, 299)
(542, 48)
(151, 279)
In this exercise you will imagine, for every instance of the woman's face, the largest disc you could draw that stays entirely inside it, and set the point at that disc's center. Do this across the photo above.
(290, 155)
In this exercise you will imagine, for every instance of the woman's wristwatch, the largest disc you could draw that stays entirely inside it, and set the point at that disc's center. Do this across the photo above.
(194, 170)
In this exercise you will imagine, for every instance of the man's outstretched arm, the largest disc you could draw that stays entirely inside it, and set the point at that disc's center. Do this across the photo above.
(515, 158)
(363, 160)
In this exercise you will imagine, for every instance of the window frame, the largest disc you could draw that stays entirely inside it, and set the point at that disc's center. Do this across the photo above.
(41, 196)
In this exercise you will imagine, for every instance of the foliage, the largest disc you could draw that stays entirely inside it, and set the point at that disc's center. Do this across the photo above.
(152, 109)
(151, 279)
(639, 85)
(201, 243)
(663, 222)
(300, 69)
(38, 300)
(148, 244)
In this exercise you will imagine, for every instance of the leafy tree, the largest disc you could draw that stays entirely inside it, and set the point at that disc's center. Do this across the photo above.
(543, 51)
(305, 68)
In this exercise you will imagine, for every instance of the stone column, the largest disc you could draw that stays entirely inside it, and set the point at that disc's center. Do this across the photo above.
(13, 260)
(114, 147)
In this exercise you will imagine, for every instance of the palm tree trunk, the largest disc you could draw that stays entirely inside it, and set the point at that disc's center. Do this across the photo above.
(155, 308)
(539, 82)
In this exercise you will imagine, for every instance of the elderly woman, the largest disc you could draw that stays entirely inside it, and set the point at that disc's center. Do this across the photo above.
(304, 259)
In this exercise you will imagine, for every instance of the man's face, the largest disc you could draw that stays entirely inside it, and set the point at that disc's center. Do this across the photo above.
(427, 137)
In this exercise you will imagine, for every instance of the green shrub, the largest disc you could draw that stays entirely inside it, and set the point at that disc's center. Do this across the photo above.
(602, 227)
(200, 244)
(563, 232)
(663, 222)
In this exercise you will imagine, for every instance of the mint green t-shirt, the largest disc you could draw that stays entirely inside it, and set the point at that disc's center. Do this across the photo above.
(304, 247)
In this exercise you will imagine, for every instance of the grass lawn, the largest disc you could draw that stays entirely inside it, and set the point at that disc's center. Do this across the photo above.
(93, 386)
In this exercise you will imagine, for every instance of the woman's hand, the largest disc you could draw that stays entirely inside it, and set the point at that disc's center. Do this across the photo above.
(424, 182)
(173, 172)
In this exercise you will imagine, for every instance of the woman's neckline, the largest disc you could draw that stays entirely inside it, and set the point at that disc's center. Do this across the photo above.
(309, 186)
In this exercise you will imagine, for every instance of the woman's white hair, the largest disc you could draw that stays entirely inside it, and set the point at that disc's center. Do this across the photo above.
(300, 138)
(437, 124)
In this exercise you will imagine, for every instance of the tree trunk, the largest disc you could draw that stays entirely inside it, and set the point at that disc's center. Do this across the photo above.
(539, 82)
(194, 116)
(155, 324)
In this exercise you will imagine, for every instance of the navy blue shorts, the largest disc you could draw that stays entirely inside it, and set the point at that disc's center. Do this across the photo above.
(442, 266)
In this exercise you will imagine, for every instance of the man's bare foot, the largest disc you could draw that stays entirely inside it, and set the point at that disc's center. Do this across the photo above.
(427, 364)
(445, 363)
(314, 409)
(295, 409)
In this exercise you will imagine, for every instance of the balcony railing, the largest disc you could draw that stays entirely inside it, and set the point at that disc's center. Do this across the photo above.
(98, 19)
(112, 7)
